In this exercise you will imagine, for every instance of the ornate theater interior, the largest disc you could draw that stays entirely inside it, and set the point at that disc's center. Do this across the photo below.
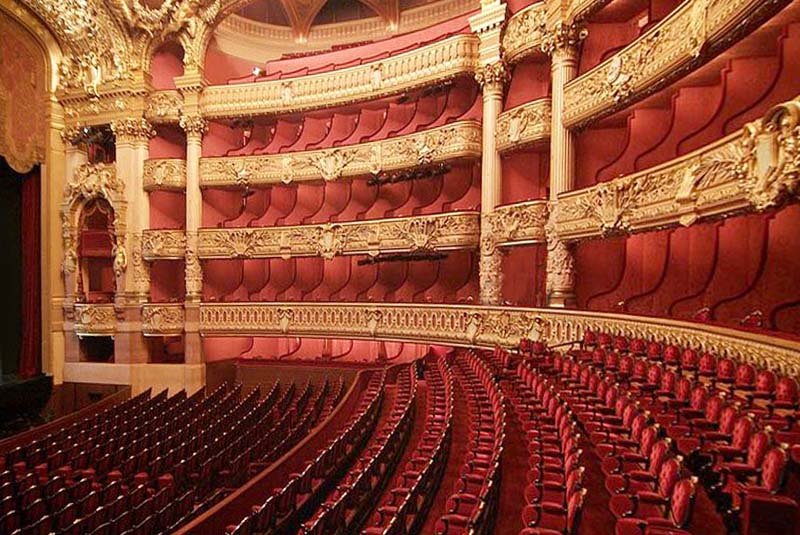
(400, 267)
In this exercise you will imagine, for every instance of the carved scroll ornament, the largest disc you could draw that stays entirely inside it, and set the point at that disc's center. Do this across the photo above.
(165, 174)
(517, 224)
(163, 244)
(162, 319)
(459, 140)
(457, 230)
(664, 53)
(524, 32)
(95, 320)
(524, 125)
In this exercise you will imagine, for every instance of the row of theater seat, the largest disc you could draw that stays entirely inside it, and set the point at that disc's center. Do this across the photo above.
(403, 509)
(661, 418)
(303, 491)
(424, 110)
(149, 464)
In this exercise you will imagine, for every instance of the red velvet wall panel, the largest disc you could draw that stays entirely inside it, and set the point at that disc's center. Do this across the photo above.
(526, 175)
(524, 273)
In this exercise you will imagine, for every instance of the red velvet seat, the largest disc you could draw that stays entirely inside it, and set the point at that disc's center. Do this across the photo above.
(677, 518)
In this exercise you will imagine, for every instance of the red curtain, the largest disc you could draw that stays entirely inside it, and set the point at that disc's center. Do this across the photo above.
(30, 352)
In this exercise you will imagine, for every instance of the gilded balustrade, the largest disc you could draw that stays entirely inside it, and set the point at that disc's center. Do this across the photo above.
(440, 232)
(162, 319)
(95, 319)
(524, 125)
(754, 169)
(424, 66)
(456, 141)
(681, 42)
(484, 326)
(163, 244)
(523, 33)
(165, 174)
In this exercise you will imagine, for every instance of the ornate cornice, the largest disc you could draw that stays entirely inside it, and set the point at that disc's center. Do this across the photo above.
(518, 224)
(458, 230)
(165, 174)
(524, 125)
(751, 170)
(95, 320)
(164, 106)
(460, 140)
(679, 43)
(163, 244)
(434, 63)
(162, 319)
(484, 326)
(524, 31)
(102, 109)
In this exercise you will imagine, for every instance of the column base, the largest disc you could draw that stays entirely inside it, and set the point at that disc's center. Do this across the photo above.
(561, 299)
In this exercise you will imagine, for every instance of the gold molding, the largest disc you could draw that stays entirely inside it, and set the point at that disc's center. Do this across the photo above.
(164, 106)
(164, 174)
(485, 326)
(434, 63)
(678, 44)
(85, 110)
(95, 320)
(523, 33)
(459, 140)
(162, 319)
(518, 224)
(524, 125)
(449, 231)
(579, 10)
(754, 169)
(163, 244)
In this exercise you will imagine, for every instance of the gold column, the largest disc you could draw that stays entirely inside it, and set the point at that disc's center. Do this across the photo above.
(560, 43)
(195, 127)
(132, 137)
(491, 74)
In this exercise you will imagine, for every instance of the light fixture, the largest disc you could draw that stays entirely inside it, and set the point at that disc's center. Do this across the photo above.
(258, 71)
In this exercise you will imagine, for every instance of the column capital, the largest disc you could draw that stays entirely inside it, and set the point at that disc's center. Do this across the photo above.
(492, 77)
(560, 39)
(132, 129)
(194, 126)
(73, 135)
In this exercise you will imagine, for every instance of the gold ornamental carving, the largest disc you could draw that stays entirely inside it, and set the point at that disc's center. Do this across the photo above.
(490, 267)
(449, 231)
(561, 35)
(524, 125)
(560, 268)
(162, 319)
(164, 106)
(457, 141)
(523, 33)
(164, 174)
(193, 125)
(131, 130)
(163, 244)
(664, 53)
(424, 66)
(517, 224)
(485, 326)
(95, 320)
(492, 76)
(193, 270)
(751, 170)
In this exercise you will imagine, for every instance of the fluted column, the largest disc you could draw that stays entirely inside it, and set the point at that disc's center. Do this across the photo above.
(195, 127)
(491, 75)
(560, 42)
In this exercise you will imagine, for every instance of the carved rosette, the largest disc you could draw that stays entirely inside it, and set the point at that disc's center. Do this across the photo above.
(457, 141)
(447, 231)
(524, 125)
(164, 174)
(132, 130)
(160, 320)
(492, 77)
(560, 282)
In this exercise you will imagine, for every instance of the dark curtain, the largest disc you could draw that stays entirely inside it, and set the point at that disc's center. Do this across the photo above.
(30, 358)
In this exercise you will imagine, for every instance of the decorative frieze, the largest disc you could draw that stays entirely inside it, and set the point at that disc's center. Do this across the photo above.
(518, 224)
(162, 319)
(95, 320)
(458, 230)
(165, 174)
(664, 53)
(485, 326)
(424, 66)
(523, 33)
(164, 106)
(459, 140)
(163, 244)
(524, 125)
(753, 169)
